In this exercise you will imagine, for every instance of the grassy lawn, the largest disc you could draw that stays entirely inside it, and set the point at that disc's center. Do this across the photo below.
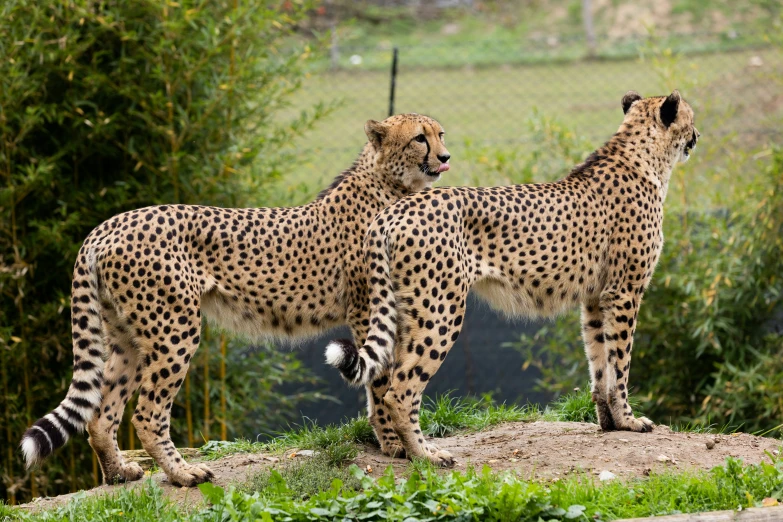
(324, 487)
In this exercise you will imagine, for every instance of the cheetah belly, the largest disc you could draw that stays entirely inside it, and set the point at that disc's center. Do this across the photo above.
(268, 316)
(522, 301)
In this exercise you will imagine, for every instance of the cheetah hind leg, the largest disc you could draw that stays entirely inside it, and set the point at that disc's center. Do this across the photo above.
(380, 419)
(119, 384)
(593, 336)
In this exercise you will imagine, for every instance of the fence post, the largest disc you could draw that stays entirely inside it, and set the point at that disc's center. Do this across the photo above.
(587, 18)
(393, 82)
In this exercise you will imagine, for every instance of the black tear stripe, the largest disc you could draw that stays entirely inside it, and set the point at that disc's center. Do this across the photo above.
(425, 165)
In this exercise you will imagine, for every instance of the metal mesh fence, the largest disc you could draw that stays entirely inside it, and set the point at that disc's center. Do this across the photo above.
(497, 98)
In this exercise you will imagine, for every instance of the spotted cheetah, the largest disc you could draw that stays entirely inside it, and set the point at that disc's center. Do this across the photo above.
(533, 250)
(143, 278)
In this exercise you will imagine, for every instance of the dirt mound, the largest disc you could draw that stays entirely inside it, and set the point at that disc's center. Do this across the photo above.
(534, 450)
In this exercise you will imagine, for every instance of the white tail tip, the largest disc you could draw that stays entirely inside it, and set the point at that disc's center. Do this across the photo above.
(335, 355)
(30, 452)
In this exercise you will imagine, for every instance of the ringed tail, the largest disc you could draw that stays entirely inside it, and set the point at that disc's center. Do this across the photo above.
(84, 394)
(359, 366)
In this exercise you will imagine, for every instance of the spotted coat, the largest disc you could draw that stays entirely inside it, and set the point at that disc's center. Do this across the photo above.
(592, 239)
(143, 278)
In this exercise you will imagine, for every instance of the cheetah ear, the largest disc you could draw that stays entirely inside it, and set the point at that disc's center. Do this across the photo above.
(628, 99)
(376, 132)
(669, 108)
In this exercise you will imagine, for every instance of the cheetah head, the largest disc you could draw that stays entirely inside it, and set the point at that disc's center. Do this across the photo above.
(410, 148)
(669, 120)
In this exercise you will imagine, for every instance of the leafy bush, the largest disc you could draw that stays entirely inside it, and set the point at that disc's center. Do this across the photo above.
(106, 107)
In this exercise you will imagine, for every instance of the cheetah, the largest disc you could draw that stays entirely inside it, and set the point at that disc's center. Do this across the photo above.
(142, 279)
(533, 250)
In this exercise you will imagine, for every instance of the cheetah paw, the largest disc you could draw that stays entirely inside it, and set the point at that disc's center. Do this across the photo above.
(437, 456)
(128, 472)
(641, 425)
(190, 475)
(393, 450)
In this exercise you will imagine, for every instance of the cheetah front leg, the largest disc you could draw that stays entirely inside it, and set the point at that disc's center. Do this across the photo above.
(620, 310)
(593, 335)
(167, 357)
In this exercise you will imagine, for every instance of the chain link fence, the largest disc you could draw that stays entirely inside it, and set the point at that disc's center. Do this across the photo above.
(497, 97)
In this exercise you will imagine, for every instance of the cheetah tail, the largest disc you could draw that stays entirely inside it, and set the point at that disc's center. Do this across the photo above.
(359, 366)
(84, 394)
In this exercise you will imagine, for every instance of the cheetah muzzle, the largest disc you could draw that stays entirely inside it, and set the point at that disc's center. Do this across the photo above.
(591, 239)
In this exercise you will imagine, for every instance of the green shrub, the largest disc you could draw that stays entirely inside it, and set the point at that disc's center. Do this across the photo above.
(106, 107)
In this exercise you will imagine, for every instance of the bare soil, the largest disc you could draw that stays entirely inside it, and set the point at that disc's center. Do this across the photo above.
(534, 450)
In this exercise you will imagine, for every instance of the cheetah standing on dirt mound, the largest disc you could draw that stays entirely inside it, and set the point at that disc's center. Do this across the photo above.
(529, 250)
(143, 278)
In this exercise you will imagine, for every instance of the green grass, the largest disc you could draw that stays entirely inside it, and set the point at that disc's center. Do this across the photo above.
(142, 504)
(307, 476)
(574, 407)
(307, 436)
(321, 487)
(311, 494)
(446, 415)
(441, 416)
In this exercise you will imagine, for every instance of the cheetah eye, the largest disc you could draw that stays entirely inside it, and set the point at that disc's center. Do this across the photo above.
(420, 138)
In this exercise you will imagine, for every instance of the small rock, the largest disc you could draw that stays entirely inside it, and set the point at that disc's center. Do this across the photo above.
(710, 444)
(623, 440)
(606, 475)
(306, 453)
(663, 458)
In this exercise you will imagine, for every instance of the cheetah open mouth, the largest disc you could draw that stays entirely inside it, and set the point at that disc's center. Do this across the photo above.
(425, 168)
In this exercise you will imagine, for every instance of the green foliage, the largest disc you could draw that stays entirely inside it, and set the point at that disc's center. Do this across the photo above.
(574, 407)
(553, 150)
(305, 477)
(308, 436)
(443, 416)
(318, 488)
(107, 107)
(446, 415)
(134, 505)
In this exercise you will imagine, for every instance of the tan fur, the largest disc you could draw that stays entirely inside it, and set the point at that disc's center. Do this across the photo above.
(143, 278)
(591, 239)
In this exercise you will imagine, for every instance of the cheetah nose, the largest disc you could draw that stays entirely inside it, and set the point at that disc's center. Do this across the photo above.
(444, 157)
